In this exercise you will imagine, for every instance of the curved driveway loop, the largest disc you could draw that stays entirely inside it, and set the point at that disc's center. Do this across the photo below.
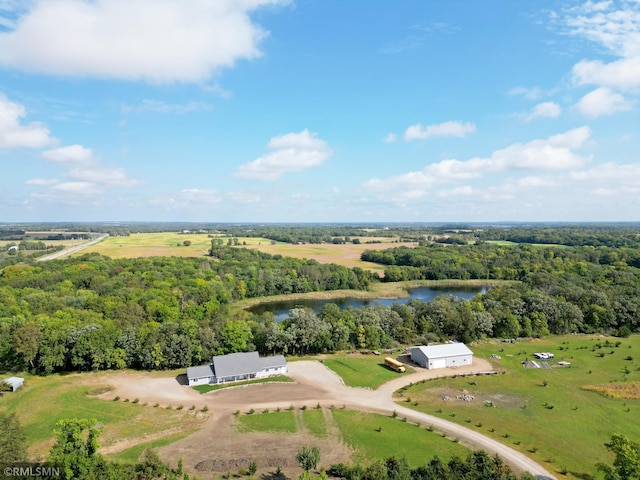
(314, 383)
(380, 400)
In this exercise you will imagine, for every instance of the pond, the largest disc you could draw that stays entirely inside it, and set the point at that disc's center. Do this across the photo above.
(425, 294)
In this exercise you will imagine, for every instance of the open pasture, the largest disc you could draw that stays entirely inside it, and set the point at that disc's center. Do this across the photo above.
(368, 371)
(370, 435)
(167, 244)
(546, 413)
(45, 400)
(172, 244)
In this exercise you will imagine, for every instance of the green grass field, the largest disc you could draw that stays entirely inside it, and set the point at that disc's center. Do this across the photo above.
(367, 371)
(277, 422)
(371, 435)
(545, 413)
(376, 436)
(45, 400)
(211, 388)
(131, 455)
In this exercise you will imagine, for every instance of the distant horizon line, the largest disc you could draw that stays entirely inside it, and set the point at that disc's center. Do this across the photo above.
(353, 223)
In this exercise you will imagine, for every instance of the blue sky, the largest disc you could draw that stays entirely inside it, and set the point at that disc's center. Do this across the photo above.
(319, 110)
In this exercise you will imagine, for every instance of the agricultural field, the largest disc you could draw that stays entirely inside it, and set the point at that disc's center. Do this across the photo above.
(549, 414)
(43, 401)
(367, 371)
(172, 244)
(370, 435)
(168, 244)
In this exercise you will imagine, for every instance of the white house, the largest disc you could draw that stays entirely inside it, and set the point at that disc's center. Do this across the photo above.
(15, 382)
(237, 366)
(442, 356)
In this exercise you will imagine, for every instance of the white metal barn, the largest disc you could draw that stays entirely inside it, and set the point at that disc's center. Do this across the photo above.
(442, 356)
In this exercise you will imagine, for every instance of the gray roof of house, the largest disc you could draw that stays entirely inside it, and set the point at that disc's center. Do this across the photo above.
(445, 350)
(199, 371)
(244, 363)
(271, 362)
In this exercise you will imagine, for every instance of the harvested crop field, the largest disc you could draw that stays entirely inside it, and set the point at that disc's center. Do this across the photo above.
(625, 391)
(170, 244)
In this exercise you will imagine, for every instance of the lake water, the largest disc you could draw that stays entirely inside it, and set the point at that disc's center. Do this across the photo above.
(424, 294)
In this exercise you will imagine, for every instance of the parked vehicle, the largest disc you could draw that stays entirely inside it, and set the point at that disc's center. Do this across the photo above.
(394, 364)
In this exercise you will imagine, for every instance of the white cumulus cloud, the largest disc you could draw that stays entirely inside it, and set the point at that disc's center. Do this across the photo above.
(602, 101)
(292, 152)
(390, 138)
(543, 110)
(555, 153)
(85, 175)
(69, 155)
(445, 129)
(159, 41)
(14, 134)
(623, 74)
(614, 26)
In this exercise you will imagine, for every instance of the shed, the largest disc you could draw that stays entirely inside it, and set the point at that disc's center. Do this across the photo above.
(15, 382)
(442, 356)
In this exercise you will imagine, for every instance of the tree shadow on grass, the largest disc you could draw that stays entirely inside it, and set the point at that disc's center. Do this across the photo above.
(583, 476)
(274, 476)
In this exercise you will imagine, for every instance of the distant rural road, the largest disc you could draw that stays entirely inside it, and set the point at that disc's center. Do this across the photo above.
(70, 250)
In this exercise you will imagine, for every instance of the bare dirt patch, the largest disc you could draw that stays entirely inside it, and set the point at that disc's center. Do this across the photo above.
(219, 448)
(464, 397)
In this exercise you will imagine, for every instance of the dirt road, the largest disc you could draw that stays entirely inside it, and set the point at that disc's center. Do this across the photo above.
(217, 446)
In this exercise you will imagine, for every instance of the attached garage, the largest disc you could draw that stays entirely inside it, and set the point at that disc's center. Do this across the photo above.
(237, 366)
(442, 356)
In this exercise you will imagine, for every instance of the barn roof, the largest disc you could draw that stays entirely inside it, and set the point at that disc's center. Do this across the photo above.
(445, 350)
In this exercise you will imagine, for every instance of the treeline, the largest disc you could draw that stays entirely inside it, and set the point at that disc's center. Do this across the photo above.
(95, 313)
(495, 262)
(310, 234)
(571, 235)
(478, 465)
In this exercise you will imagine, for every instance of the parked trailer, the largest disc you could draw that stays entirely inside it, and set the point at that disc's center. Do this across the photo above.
(394, 364)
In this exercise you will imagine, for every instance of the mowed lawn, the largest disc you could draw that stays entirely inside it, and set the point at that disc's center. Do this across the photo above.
(220, 386)
(371, 435)
(43, 401)
(545, 413)
(368, 371)
(172, 244)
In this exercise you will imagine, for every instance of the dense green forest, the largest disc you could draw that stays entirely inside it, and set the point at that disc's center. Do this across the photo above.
(93, 312)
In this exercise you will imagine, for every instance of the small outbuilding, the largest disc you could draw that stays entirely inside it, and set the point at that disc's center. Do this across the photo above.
(237, 366)
(15, 382)
(442, 356)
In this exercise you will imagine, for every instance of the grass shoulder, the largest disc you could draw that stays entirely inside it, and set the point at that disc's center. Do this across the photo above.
(220, 386)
